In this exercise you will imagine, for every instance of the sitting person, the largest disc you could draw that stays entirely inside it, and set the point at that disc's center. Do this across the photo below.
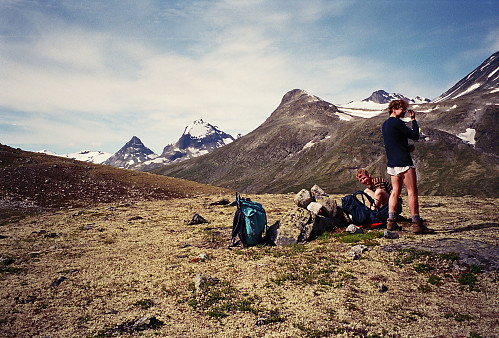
(379, 188)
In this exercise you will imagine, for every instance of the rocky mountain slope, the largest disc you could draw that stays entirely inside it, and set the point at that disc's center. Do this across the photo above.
(132, 153)
(308, 141)
(482, 81)
(198, 139)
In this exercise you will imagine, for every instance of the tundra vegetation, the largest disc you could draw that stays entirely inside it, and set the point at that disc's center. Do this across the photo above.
(139, 268)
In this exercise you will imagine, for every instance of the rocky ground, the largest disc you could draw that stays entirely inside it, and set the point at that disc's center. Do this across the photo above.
(138, 268)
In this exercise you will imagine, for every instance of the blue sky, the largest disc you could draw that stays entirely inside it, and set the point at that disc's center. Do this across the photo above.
(89, 75)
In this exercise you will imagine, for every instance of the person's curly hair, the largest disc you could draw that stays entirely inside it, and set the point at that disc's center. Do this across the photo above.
(396, 104)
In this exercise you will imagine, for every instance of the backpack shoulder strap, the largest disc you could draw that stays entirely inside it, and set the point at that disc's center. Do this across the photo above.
(365, 197)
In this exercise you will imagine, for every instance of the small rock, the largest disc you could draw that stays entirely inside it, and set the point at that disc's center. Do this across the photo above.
(356, 251)
(354, 229)
(359, 248)
(52, 235)
(58, 281)
(260, 321)
(201, 283)
(390, 234)
(197, 219)
(432, 205)
(353, 255)
(382, 287)
(221, 202)
(202, 256)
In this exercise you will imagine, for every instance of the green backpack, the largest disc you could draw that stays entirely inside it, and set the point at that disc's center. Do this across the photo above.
(249, 222)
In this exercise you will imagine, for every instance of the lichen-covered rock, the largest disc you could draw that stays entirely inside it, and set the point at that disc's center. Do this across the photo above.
(303, 198)
(317, 191)
(329, 205)
(291, 226)
(299, 226)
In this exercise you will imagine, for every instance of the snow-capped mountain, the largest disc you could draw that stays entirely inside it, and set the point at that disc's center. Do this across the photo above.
(84, 155)
(132, 153)
(306, 139)
(383, 97)
(374, 104)
(198, 138)
(483, 80)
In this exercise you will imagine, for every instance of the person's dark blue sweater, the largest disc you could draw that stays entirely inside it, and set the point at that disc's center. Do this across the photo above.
(396, 135)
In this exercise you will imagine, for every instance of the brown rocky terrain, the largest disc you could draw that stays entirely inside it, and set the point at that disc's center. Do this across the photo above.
(120, 258)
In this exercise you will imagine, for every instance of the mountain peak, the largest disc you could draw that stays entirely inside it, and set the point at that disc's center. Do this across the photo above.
(297, 95)
(484, 79)
(134, 141)
(383, 97)
(133, 152)
(200, 129)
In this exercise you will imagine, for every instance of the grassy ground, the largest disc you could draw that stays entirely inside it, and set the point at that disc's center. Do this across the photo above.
(92, 271)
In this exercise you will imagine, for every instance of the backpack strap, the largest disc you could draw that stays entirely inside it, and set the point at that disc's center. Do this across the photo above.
(364, 198)
(237, 223)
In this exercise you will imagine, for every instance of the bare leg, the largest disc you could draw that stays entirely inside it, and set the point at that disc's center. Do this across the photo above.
(394, 196)
(369, 192)
(410, 182)
(381, 197)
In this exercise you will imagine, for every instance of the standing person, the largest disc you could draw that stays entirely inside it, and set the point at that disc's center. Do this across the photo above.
(378, 188)
(400, 166)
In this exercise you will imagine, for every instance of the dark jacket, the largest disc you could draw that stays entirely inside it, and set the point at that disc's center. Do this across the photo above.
(396, 136)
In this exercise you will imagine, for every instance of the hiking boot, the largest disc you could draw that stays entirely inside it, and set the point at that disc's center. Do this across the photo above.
(392, 225)
(419, 228)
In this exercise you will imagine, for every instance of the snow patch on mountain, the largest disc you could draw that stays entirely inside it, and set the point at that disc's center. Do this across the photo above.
(468, 136)
(84, 155)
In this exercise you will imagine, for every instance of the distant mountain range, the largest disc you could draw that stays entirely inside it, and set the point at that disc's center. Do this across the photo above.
(198, 139)
(84, 155)
(308, 141)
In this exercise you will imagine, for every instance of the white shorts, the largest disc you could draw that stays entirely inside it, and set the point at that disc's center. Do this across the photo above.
(396, 171)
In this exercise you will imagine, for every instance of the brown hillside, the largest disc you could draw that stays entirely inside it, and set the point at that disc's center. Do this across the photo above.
(34, 180)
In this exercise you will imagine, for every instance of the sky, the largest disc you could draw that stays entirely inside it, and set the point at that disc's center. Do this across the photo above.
(90, 74)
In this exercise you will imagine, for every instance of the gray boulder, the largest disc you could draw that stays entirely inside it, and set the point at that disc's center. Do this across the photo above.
(291, 226)
(317, 191)
(329, 205)
(299, 226)
(303, 198)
